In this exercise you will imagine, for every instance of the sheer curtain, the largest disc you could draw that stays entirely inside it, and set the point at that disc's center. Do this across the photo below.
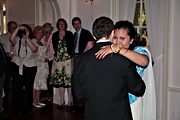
(157, 27)
(122, 10)
(127, 9)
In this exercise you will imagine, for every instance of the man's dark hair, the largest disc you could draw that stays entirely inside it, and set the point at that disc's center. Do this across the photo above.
(11, 22)
(76, 19)
(102, 27)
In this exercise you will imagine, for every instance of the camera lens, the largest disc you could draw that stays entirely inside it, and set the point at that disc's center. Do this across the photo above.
(20, 33)
(23, 32)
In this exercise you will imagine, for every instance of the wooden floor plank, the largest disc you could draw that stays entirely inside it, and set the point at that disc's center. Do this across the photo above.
(49, 112)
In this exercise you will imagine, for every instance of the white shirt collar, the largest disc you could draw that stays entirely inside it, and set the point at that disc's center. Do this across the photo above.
(79, 31)
(103, 40)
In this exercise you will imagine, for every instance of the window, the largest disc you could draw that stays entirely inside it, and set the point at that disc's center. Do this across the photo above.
(140, 17)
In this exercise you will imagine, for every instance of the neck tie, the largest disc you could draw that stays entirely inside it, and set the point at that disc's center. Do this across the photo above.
(76, 42)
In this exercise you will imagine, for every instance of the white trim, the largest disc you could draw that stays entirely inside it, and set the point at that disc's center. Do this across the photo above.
(103, 40)
(56, 10)
(114, 10)
(174, 89)
(41, 10)
(168, 55)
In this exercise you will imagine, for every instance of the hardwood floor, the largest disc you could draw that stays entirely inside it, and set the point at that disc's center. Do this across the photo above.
(49, 112)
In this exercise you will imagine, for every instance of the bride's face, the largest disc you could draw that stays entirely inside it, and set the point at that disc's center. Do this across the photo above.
(121, 37)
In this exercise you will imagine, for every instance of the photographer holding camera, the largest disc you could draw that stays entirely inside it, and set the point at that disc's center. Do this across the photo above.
(24, 68)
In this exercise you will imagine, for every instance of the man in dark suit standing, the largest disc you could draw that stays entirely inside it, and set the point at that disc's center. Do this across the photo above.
(83, 39)
(104, 84)
(3, 71)
(4, 40)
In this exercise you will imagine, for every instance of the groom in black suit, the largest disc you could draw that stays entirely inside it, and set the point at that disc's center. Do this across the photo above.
(104, 84)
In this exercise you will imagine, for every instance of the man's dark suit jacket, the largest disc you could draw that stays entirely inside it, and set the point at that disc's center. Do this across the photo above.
(3, 60)
(85, 37)
(104, 84)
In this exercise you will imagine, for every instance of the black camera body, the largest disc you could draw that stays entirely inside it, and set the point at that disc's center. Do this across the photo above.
(20, 33)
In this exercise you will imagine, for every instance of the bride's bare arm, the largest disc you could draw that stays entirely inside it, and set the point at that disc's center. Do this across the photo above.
(136, 57)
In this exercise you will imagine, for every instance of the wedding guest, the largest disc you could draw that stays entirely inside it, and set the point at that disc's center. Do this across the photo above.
(3, 64)
(83, 39)
(4, 39)
(44, 54)
(23, 68)
(61, 70)
(48, 95)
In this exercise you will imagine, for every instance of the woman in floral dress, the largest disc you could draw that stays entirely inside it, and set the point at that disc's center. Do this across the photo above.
(61, 69)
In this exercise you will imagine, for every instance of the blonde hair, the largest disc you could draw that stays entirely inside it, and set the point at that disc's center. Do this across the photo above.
(38, 28)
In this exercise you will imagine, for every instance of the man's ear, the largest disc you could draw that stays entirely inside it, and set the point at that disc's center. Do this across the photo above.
(111, 36)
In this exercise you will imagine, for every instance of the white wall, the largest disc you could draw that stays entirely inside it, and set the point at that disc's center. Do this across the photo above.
(88, 13)
(174, 62)
(22, 11)
(174, 44)
(174, 106)
(47, 11)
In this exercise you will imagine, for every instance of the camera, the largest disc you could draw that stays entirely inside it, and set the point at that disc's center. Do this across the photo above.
(20, 33)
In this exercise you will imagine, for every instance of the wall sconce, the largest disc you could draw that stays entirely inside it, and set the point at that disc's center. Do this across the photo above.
(91, 1)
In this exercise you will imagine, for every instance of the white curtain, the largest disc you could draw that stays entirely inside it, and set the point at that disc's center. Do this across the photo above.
(157, 27)
(122, 10)
(127, 10)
